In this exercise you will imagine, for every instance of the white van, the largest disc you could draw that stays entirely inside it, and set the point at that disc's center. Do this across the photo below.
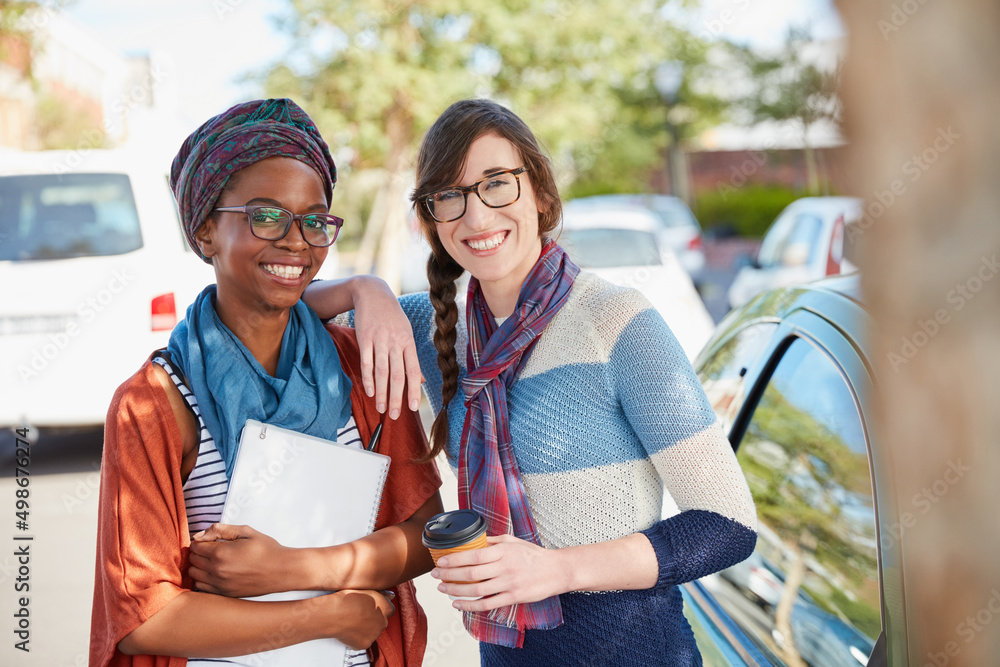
(95, 272)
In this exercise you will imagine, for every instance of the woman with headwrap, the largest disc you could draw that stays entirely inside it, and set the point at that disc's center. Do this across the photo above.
(253, 187)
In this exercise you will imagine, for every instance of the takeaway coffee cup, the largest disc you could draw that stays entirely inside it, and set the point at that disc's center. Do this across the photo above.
(451, 532)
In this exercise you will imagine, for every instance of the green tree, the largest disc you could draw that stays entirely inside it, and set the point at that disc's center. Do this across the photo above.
(636, 140)
(376, 73)
(790, 87)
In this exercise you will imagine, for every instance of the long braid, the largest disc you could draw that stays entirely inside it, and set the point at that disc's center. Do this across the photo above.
(442, 277)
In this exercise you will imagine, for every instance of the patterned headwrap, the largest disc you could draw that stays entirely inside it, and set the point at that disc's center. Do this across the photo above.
(242, 136)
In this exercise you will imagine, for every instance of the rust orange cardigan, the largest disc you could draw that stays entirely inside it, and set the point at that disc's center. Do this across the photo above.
(143, 536)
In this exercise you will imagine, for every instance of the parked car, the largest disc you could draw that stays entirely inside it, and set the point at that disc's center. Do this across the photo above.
(678, 229)
(623, 246)
(96, 273)
(804, 243)
(789, 378)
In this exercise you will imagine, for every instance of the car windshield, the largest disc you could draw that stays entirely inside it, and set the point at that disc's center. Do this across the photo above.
(606, 248)
(59, 216)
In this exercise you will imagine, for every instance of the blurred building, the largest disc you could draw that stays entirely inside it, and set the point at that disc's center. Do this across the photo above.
(767, 153)
(16, 98)
(61, 87)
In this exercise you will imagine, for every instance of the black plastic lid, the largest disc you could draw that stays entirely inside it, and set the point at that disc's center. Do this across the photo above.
(452, 529)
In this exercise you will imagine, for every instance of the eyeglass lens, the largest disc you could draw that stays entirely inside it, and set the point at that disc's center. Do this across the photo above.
(270, 224)
(496, 191)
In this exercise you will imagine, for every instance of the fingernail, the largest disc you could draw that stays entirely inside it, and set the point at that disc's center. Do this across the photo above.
(394, 414)
(414, 405)
(199, 533)
(369, 390)
(435, 573)
(381, 407)
(441, 587)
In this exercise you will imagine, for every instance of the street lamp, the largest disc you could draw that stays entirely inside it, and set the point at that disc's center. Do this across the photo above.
(667, 79)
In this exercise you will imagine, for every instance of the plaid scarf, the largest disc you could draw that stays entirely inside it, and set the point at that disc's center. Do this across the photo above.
(488, 477)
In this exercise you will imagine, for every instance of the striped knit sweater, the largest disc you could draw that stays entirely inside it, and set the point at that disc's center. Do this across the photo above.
(609, 425)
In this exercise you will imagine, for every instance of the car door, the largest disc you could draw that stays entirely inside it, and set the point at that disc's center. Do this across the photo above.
(791, 394)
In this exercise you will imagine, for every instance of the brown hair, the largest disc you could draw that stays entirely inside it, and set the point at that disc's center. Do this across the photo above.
(440, 164)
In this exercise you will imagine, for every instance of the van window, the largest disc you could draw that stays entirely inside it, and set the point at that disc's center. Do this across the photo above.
(59, 216)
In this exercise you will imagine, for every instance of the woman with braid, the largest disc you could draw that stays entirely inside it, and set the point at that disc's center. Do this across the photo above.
(568, 409)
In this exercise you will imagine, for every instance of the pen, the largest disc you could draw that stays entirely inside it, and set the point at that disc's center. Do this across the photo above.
(376, 434)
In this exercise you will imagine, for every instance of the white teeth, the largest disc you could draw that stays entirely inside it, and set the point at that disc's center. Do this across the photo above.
(486, 244)
(283, 270)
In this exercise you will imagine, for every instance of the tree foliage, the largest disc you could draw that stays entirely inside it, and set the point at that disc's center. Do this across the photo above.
(789, 86)
(376, 73)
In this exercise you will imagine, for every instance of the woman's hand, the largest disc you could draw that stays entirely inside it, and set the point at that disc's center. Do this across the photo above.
(388, 353)
(362, 616)
(385, 337)
(238, 561)
(510, 570)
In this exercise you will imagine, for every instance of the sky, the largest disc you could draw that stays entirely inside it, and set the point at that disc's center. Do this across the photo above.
(210, 46)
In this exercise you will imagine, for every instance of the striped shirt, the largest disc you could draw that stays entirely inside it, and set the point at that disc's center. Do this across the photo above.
(205, 494)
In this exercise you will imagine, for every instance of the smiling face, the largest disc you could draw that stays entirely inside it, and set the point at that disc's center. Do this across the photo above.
(257, 277)
(499, 246)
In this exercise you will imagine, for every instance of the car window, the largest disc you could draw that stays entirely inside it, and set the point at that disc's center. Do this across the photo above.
(810, 589)
(674, 213)
(723, 374)
(59, 216)
(794, 240)
(606, 248)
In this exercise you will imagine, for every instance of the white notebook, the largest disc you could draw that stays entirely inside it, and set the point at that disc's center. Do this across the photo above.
(304, 492)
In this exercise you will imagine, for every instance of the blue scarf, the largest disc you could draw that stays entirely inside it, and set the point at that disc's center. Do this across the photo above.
(310, 394)
(489, 480)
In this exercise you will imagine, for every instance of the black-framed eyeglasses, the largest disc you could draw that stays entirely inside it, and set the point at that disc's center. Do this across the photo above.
(496, 191)
(271, 223)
